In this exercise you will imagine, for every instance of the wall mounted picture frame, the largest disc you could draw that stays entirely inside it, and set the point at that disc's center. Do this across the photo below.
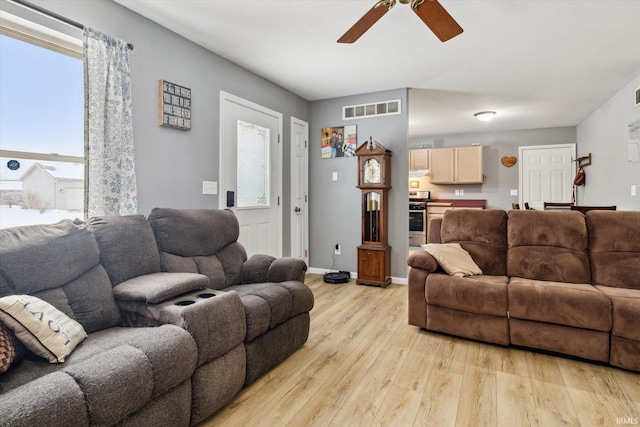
(338, 141)
(174, 108)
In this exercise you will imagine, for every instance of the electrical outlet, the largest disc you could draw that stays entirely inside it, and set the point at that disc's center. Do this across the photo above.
(633, 190)
(514, 192)
(462, 192)
(334, 176)
(336, 249)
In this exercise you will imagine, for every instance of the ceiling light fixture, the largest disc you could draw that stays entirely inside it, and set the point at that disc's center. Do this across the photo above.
(485, 116)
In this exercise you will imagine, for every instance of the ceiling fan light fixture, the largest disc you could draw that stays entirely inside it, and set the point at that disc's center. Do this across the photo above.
(485, 116)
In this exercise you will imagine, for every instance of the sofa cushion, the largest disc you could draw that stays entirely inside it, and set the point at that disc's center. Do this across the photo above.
(193, 232)
(200, 241)
(614, 248)
(569, 304)
(482, 233)
(127, 246)
(41, 327)
(269, 304)
(59, 263)
(626, 311)
(39, 257)
(473, 294)
(453, 259)
(548, 246)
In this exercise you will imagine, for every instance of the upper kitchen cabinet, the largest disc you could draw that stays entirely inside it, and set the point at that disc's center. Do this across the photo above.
(419, 159)
(456, 165)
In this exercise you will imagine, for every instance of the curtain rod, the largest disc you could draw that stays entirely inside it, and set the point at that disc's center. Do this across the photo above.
(54, 15)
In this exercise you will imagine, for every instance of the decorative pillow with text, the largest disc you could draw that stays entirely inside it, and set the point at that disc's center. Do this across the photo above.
(41, 327)
(453, 259)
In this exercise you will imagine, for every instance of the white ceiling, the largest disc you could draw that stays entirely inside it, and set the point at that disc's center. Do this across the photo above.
(538, 63)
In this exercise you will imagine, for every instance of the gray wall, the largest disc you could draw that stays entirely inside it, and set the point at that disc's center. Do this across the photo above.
(605, 135)
(499, 180)
(335, 205)
(171, 164)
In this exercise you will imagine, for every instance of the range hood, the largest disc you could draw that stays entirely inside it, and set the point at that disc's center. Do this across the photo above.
(416, 173)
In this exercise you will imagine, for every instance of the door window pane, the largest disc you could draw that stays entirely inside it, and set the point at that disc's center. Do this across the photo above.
(253, 166)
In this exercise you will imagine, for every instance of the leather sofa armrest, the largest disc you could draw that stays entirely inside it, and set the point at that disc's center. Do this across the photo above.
(265, 268)
(422, 260)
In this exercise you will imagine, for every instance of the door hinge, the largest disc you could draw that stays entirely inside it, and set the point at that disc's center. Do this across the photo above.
(305, 198)
(278, 138)
(278, 200)
(305, 143)
(305, 253)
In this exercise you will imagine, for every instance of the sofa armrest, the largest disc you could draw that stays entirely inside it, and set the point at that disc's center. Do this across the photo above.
(265, 268)
(215, 319)
(423, 260)
(422, 264)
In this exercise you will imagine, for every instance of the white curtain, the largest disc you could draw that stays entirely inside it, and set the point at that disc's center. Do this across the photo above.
(110, 179)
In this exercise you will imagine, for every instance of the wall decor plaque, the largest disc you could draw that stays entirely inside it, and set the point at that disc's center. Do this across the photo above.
(175, 105)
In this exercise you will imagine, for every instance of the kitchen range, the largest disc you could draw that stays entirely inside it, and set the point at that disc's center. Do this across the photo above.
(418, 217)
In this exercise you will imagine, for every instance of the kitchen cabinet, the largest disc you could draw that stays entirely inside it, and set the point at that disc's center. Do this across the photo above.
(419, 159)
(456, 165)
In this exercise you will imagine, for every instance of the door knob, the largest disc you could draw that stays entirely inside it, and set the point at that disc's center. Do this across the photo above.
(297, 209)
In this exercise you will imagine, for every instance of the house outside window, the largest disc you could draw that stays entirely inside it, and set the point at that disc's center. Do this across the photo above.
(41, 119)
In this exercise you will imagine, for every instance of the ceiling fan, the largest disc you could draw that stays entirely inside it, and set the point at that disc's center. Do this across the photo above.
(430, 11)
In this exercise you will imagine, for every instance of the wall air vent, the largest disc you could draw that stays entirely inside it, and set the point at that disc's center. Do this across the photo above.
(375, 109)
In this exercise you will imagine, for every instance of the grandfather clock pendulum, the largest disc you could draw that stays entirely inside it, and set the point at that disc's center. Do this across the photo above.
(374, 180)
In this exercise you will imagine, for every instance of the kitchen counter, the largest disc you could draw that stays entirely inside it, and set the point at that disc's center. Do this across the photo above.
(459, 203)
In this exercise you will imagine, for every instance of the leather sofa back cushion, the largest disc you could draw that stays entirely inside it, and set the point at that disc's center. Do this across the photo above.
(193, 232)
(482, 233)
(614, 246)
(548, 245)
(127, 245)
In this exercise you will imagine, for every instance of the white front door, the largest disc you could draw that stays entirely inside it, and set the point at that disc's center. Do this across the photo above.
(546, 174)
(251, 172)
(299, 189)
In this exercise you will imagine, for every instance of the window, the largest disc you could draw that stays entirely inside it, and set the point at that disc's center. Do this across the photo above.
(42, 113)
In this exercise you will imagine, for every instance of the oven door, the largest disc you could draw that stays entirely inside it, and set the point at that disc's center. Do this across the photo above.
(417, 227)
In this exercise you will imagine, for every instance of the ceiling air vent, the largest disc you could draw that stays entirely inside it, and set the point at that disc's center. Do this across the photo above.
(375, 109)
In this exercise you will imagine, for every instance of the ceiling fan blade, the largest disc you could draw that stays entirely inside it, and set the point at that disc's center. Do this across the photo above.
(437, 19)
(367, 21)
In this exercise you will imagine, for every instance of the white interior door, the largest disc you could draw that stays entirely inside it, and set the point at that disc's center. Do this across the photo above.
(546, 174)
(299, 189)
(251, 172)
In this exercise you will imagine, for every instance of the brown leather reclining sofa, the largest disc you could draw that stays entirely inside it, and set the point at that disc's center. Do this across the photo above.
(556, 281)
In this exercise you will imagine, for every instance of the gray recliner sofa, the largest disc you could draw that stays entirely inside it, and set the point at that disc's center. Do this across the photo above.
(165, 346)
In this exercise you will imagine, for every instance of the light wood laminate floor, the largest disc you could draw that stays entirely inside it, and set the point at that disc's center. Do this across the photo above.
(363, 365)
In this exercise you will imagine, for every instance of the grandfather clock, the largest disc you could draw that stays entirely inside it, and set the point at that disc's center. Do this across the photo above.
(374, 181)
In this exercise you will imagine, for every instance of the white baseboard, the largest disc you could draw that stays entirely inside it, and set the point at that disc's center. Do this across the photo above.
(354, 275)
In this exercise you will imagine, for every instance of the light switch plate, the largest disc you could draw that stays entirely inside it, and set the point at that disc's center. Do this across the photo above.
(209, 187)
(514, 192)
(334, 176)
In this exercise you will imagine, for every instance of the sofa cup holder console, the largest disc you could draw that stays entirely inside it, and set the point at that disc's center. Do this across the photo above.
(203, 295)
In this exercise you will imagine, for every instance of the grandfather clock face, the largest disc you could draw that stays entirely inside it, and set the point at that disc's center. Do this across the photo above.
(371, 171)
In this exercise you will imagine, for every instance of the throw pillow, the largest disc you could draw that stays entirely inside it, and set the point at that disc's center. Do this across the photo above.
(11, 349)
(41, 327)
(453, 259)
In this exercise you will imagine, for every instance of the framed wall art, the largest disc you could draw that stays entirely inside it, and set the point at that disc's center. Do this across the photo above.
(175, 105)
(339, 141)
